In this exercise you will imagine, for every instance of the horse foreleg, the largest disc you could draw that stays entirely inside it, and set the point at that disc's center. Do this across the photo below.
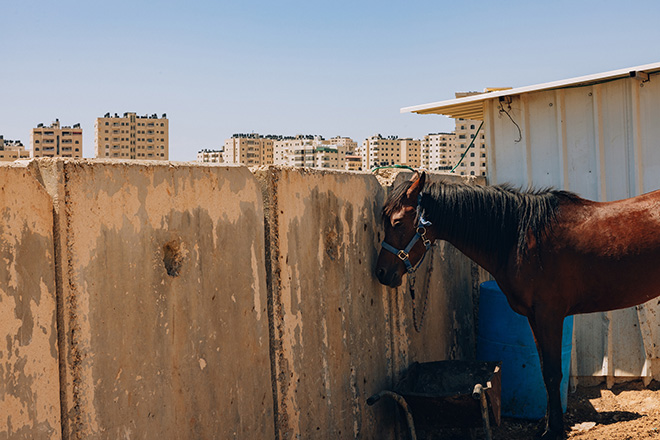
(547, 329)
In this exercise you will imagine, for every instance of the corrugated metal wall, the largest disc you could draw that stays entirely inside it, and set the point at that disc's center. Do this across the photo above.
(601, 141)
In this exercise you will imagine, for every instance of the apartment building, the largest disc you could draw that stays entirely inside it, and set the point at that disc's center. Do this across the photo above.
(210, 156)
(474, 162)
(332, 153)
(437, 151)
(283, 145)
(410, 152)
(249, 149)
(443, 151)
(132, 137)
(353, 162)
(342, 143)
(12, 150)
(294, 150)
(297, 151)
(327, 157)
(56, 141)
(378, 151)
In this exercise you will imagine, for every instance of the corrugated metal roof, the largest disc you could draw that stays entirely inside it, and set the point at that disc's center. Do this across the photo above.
(472, 107)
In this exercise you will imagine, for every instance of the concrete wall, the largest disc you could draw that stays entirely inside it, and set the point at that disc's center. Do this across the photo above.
(29, 378)
(164, 301)
(202, 302)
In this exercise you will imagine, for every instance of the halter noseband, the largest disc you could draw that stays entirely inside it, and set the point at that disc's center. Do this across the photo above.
(420, 232)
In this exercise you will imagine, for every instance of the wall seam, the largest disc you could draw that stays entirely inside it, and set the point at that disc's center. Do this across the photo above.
(273, 280)
(71, 307)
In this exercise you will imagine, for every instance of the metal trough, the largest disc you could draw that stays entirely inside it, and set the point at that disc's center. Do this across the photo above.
(448, 394)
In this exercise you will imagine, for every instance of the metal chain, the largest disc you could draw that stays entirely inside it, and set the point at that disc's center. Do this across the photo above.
(411, 286)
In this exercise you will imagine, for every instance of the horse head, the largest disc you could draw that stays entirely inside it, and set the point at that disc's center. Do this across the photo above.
(406, 239)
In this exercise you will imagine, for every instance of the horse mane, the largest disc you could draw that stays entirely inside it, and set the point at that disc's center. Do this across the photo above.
(495, 218)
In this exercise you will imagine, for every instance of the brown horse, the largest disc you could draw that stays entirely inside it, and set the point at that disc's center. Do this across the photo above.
(552, 253)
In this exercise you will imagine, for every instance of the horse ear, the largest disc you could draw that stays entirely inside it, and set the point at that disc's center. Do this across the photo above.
(418, 180)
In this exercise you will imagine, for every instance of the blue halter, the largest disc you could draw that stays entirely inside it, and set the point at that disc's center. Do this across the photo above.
(420, 232)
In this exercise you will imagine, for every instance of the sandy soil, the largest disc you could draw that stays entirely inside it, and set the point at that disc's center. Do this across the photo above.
(628, 411)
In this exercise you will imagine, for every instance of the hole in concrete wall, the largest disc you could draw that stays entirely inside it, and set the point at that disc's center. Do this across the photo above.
(173, 257)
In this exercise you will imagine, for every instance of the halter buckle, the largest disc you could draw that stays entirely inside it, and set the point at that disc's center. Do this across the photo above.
(427, 242)
(403, 255)
(421, 231)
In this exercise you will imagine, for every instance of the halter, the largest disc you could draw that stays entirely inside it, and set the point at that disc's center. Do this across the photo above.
(420, 232)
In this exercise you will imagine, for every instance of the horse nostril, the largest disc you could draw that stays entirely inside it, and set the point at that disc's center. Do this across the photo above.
(380, 273)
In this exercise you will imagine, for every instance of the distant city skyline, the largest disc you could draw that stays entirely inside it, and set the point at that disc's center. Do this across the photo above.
(337, 68)
(463, 151)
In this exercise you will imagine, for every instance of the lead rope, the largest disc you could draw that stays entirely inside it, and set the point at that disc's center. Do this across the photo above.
(418, 323)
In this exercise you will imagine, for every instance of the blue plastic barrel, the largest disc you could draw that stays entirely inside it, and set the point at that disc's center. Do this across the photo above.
(506, 336)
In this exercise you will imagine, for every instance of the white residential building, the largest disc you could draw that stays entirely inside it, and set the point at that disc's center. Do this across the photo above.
(437, 151)
(210, 156)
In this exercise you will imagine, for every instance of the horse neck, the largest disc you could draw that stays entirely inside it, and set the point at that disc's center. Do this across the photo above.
(469, 228)
(491, 261)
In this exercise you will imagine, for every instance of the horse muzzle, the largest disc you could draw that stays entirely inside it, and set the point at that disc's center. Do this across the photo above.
(391, 278)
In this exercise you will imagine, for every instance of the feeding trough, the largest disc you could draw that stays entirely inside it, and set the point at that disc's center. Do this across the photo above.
(448, 394)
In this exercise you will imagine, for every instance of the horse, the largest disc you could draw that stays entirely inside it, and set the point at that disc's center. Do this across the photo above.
(552, 253)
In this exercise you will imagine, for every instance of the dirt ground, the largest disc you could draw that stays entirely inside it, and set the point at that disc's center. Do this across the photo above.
(628, 411)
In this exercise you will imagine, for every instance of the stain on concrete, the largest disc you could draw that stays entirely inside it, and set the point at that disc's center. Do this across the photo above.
(173, 257)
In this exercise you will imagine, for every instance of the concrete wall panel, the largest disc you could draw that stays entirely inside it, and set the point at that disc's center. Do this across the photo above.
(29, 378)
(331, 322)
(164, 291)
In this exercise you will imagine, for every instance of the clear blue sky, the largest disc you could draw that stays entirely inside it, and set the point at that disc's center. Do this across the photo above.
(287, 67)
